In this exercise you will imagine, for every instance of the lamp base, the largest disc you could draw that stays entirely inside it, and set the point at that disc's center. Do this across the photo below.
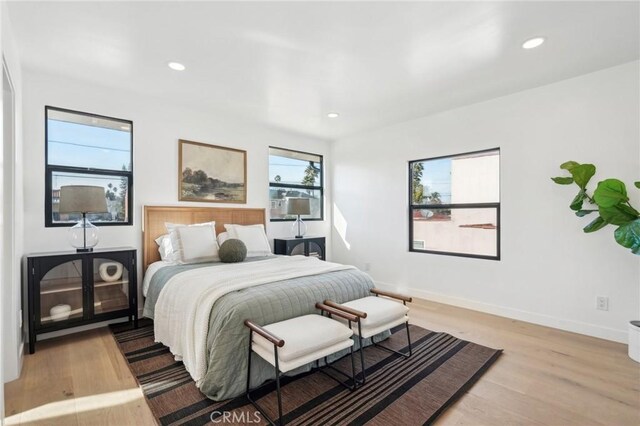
(298, 228)
(84, 235)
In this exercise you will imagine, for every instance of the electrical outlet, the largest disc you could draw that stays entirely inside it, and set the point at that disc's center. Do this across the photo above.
(367, 266)
(602, 303)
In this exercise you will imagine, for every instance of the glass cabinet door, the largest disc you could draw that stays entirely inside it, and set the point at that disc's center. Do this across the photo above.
(298, 249)
(110, 286)
(61, 294)
(315, 250)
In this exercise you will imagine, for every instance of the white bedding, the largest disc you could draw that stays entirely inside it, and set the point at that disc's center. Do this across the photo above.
(151, 270)
(184, 305)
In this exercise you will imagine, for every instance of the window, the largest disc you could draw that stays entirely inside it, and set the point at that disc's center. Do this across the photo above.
(88, 149)
(294, 174)
(455, 205)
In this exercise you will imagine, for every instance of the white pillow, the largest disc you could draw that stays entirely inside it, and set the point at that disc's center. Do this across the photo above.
(194, 243)
(253, 236)
(165, 248)
(224, 236)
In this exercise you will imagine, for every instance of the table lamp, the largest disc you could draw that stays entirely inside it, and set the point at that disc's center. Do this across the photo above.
(299, 206)
(83, 199)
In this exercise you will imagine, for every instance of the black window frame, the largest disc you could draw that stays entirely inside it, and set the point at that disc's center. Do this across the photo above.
(50, 169)
(493, 205)
(299, 186)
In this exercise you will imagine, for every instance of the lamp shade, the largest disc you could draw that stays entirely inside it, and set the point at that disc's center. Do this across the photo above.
(82, 199)
(298, 206)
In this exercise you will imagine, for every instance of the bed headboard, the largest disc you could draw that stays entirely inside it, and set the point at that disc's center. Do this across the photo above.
(156, 216)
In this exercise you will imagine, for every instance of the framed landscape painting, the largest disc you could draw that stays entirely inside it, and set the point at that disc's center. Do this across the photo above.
(211, 173)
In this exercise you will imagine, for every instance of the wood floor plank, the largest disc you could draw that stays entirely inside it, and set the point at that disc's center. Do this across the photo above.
(589, 379)
(532, 406)
(544, 377)
(81, 379)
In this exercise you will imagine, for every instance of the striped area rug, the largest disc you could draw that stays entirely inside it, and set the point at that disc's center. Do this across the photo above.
(398, 391)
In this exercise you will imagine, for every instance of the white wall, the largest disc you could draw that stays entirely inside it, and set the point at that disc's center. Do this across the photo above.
(157, 125)
(2, 308)
(550, 272)
(12, 338)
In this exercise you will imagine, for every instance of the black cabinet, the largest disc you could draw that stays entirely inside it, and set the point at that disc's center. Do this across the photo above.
(70, 289)
(307, 246)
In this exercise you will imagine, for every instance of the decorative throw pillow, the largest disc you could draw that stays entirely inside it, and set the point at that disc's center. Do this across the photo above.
(253, 236)
(194, 243)
(222, 237)
(232, 251)
(167, 253)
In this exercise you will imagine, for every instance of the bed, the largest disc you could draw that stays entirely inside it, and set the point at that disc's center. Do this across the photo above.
(199, 309)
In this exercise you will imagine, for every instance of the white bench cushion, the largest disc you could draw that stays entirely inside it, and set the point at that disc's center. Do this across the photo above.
(380, 311)
(303, 336)
(284, 366)
(372, 331)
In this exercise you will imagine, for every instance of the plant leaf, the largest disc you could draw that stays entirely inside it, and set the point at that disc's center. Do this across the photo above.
(597, 223)
(562, 180)
(582, 213)
(637, 184)
(610, 192)
(569, 165)
(628, 236)
(631, 210)
(618, 215)
(582, 173)
(576, 204)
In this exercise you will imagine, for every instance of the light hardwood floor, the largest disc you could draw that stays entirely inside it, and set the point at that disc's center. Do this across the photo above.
(544, 377)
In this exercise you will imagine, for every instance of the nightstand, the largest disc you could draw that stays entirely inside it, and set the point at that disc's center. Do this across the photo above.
(70, 289)
(307, 246)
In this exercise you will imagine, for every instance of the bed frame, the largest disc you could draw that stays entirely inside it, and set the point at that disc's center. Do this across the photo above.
(156, 216)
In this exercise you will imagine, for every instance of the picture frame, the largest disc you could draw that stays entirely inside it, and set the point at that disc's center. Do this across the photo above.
(211, 173)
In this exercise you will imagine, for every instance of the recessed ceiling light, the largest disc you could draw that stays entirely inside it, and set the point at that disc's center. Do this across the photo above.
(532, 43)
(176, 66)
(333, 115)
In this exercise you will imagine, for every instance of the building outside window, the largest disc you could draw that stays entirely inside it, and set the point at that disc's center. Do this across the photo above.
(295, 174)
(455, 205)
(88, 149)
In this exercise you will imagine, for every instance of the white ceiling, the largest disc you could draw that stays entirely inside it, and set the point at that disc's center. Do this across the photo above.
(288, 64)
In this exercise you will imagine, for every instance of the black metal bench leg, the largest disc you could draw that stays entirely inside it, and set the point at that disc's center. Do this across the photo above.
(353, 378)
(248, 394)
(393, 350)
(361, 349)
(364, 373)
(249, 364)
(406, 324)
(280, 419)
(353, 370)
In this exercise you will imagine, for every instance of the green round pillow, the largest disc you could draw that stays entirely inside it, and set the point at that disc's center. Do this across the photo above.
(232, 251)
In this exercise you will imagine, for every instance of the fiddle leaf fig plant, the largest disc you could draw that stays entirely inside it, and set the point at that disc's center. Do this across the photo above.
(609, 200)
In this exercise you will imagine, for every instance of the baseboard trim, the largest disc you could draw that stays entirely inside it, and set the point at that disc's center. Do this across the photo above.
(521, 315)
(14, 374)
(21, 358)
